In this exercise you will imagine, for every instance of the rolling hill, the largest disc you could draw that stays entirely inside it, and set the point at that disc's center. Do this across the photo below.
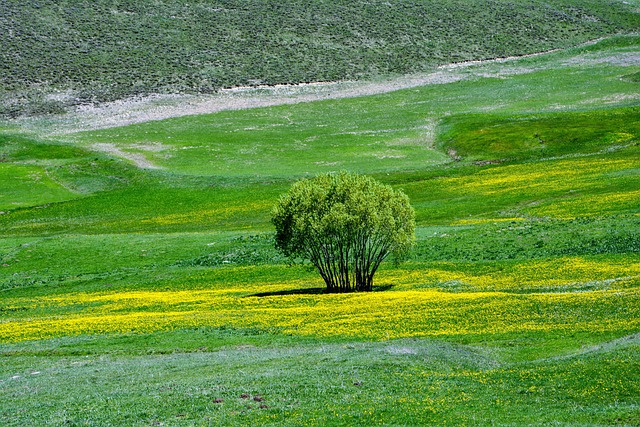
(57, 54)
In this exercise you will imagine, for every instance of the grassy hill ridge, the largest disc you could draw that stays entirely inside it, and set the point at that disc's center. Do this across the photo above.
(61, 53)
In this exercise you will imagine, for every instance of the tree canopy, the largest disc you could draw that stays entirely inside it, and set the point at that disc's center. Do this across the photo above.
(345, 224)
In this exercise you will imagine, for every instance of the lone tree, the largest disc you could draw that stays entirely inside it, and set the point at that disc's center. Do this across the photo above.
(346, 225)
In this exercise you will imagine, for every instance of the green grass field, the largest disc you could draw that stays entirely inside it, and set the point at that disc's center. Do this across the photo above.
(153, 295)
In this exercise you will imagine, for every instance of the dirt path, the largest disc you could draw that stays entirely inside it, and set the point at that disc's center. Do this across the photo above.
(159, 107)
(138, 159)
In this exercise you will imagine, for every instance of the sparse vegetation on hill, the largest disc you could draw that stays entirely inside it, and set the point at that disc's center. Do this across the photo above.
(60, 53)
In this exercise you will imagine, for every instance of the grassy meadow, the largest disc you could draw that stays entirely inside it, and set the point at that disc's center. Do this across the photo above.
(139, 284)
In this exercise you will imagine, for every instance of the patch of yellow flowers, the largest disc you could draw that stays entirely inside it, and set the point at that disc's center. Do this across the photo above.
(584, 205)
(536, 177)
(566, 188)
(209, 215)
(556, 274)
(486, 306)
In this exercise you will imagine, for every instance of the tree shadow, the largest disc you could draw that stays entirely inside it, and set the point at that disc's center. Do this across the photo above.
(312, 291)
(303, 291)
(382, 288)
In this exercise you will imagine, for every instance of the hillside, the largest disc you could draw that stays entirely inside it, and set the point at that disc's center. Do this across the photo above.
(62, 53)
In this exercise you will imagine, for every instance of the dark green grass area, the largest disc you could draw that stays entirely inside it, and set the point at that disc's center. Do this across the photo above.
(61, 53)
(151, 208)
(634, 77)
(407, 382)
(41, 172)
(62, 264)
(487, 137)
(515, 240)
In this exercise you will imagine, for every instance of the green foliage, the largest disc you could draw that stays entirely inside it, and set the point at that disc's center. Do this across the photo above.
(346, 225)
(61, 53)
